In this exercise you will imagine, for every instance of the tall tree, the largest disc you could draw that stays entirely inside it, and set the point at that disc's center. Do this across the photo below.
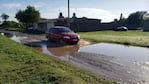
(4, 17)
(29, 16)
(136, 18)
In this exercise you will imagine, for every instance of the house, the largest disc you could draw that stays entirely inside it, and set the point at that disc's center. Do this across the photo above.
(44, 25)
(76, 24)
(146, 25)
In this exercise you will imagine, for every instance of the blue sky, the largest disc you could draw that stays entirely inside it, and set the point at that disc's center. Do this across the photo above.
(107, 10)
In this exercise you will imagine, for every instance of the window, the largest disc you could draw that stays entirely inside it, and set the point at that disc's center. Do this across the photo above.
(64, 30)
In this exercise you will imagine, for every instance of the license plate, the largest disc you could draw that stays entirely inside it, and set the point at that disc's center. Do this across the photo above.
(75, 39)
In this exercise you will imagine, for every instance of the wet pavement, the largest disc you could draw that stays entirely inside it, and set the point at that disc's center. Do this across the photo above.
(121, 63)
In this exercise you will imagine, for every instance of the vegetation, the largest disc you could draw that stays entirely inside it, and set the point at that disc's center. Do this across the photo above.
(4, 17)
(133, 21)
(137, 38)
(28, 16)
(20, 64)
(12, 25)
(136, 18)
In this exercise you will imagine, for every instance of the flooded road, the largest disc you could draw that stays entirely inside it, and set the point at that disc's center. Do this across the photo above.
(133, 61)
(114, 67)
(121, 63)
(125, 52)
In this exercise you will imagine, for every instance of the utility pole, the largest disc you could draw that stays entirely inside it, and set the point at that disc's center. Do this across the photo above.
(68, 13)
(69, 22)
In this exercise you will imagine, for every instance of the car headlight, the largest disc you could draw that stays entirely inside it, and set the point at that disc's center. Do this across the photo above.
(66, 37)
(78, 36)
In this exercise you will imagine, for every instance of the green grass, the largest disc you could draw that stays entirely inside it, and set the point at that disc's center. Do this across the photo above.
(137, 38)
(20, 64)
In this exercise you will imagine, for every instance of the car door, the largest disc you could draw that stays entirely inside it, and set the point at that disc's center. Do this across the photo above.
(55, 35)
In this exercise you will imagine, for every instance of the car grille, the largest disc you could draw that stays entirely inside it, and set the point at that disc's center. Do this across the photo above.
(74, 37)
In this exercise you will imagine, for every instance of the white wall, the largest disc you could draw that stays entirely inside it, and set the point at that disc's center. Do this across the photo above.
(49, 25)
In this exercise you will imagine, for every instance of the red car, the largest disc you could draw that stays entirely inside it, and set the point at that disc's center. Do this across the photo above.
(62, 35)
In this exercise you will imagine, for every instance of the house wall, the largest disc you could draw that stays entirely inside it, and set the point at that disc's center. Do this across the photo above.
(78, 24)
(49, 25)
(85, 25)
(146, 25)
(44, 26)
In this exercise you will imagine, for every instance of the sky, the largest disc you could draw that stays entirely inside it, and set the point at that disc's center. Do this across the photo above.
(106, 10)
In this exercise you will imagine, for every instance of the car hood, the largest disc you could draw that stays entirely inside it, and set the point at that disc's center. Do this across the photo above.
(69, 34)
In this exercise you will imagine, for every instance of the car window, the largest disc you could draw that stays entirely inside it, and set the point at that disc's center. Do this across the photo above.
(64, 30)
(54, 30)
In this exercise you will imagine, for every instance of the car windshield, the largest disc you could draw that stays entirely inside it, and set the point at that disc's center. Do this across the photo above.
(65, 30)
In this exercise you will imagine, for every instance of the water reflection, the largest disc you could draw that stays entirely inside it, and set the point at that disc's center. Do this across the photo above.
(59, 51)
(131, 53)
(15, 38)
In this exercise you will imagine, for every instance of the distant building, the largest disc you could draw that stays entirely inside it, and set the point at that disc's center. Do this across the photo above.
(76, 24)
(44, 25)
(74, 15)
(60, 15)
(146, 25)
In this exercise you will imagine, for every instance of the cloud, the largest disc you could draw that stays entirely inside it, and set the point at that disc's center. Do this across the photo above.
(105, 15)
(39, 4)
(11, 5)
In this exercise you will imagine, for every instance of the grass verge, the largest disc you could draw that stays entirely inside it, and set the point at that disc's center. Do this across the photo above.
(21, 64)
(136, 38)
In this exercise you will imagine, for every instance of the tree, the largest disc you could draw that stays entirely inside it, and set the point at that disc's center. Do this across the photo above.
(136, 18)
(146, 16)
(28, 16)
(4, 17)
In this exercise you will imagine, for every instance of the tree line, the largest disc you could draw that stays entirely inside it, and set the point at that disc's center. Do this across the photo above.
(26, 18)
(135, 19)
(30, 15)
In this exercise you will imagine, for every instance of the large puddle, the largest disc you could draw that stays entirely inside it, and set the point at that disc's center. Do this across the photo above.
(123, 52)
(120, 52)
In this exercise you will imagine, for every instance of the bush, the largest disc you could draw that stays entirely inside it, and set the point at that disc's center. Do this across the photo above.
(12, 25)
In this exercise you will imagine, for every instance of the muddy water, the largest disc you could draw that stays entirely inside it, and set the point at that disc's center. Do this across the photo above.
(58, 51)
